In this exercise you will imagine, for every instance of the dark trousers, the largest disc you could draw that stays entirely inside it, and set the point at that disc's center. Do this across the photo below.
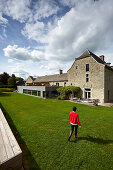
(72, 129)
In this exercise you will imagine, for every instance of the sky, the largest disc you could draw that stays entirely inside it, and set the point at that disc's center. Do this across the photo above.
(39, 37)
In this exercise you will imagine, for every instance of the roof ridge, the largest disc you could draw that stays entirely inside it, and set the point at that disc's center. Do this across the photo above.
(88, 53)
(52, 75)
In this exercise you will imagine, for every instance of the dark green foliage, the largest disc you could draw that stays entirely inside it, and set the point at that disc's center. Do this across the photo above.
(65, 91)
(4, 78)
(19, 81)
(12, 81)
(7, 81)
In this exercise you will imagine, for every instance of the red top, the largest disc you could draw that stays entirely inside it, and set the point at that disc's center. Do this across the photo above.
(73, 116)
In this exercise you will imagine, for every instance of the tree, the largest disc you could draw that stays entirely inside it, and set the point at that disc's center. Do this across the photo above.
(4, 78)
(19, 81)
(12, 81)
(13, 76)
(65, 91)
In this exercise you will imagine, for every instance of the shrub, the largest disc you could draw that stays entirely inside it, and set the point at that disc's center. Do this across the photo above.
(65, 91)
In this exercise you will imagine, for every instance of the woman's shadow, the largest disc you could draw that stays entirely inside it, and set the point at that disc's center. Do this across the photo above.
(96, 140)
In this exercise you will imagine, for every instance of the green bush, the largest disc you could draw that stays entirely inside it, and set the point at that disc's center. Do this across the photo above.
(65, 91)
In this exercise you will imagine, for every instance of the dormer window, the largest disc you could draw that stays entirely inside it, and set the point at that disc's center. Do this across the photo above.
(87, 67)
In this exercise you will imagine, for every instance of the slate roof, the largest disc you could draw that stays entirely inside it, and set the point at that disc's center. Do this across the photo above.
(88, 53)
(52, 78)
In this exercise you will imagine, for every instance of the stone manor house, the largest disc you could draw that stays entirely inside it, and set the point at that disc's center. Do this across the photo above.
(90, 72)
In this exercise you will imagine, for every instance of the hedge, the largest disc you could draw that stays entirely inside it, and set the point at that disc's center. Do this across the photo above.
(65, 91)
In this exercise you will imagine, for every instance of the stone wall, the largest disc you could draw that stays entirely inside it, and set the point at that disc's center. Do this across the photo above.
(77, 77)
(64, 83)
(29, 81)
(108, 85)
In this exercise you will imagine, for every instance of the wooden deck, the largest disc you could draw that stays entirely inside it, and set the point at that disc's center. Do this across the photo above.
(10, 152)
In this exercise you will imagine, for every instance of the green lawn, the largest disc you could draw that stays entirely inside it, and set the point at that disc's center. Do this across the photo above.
(7, 89)
(43, 128)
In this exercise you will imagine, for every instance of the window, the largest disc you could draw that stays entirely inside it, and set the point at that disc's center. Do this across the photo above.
(39, 93)
(87, 67)
(108, 95)
(87, 89)
(25, 91)
(87, 77)
(29, 92)
(34, 92)
(64, 83)
(76, 67)
(44, 94)
(57, 84)
(71, 84)
(87, 93)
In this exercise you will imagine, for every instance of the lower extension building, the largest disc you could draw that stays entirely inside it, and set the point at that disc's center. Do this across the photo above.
(89, 72)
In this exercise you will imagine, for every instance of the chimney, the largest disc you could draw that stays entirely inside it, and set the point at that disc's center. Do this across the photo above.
(61, 71)
(102, 57)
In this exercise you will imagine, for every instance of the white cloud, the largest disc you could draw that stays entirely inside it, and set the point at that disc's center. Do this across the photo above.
(3, 20)
(18, 10)
(19, 69)
(35, 31)
(85, 26)
(10, 60)
(21, 73)
(69, 3)
(4, 33)
(53, 67)
(23, 53)
(22, 11)
(45, 9)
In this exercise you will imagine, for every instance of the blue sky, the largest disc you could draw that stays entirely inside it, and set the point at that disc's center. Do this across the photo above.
(39, 37)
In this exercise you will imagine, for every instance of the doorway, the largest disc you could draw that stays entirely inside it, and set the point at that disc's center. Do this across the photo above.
(87, 93)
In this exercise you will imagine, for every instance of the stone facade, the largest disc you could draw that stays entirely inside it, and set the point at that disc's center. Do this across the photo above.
(63, 83)
(89, 72)
(108, 93)
(29, 81)
(95, 83)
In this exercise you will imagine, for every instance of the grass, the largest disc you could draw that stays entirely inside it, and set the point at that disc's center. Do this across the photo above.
(7, 89)
(43, 128)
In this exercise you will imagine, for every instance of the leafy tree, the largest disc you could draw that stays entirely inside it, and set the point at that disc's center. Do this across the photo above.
(13, 76)
(19, 81)
(65, 91)
(12, 81)
(4, 78)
